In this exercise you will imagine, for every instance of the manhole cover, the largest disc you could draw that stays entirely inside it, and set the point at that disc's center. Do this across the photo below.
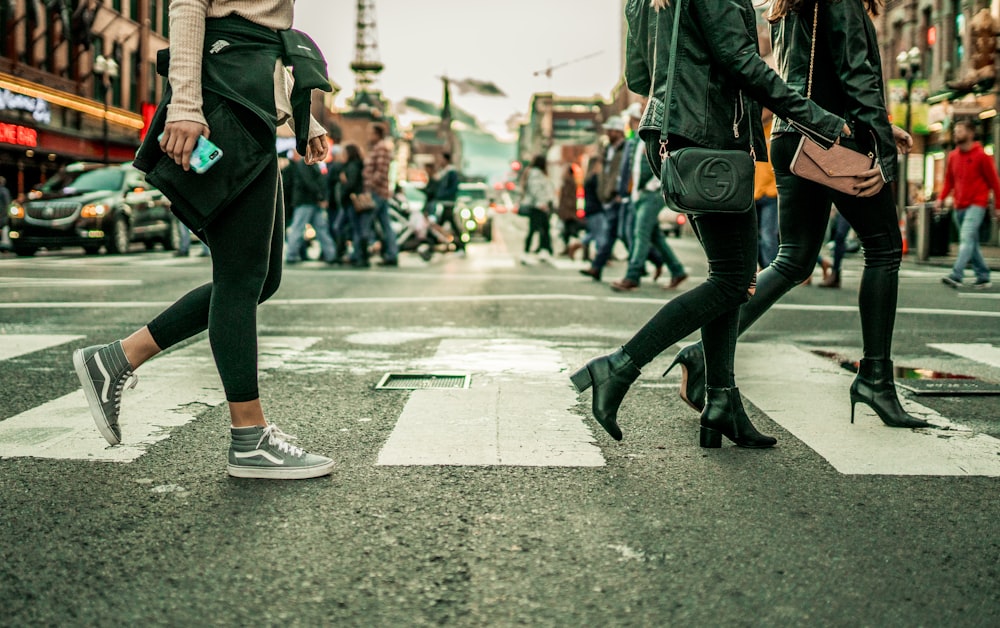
(947, 387)
(413, 381)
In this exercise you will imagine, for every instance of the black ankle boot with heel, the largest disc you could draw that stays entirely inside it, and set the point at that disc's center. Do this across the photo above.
(692, 361)
(874, 386)
(611, 376)
(724, 415)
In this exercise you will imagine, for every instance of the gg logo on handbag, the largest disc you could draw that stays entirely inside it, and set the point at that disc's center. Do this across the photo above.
(716, 179)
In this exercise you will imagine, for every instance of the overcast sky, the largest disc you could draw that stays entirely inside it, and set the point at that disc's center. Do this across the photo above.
(502, 41)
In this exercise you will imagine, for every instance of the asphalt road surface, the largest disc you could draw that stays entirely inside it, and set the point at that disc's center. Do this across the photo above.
(492, 500)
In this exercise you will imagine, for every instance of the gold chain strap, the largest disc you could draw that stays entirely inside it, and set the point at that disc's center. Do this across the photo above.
(812, 52)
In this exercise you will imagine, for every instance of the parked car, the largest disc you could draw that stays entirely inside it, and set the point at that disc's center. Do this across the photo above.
(473, 208)
(93, 206)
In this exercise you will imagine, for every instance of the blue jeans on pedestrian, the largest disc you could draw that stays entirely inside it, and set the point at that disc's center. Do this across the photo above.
(840, 230)
(612, 215)
(968, 221)
(184, 246)
(647, 234)
(767, 240)
(362, 235)
(390, 248)
(626, 223)
(597, 230)
(309, 214)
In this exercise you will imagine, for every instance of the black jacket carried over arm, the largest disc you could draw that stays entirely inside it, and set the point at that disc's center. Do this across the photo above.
(719, 80)
(847, 75)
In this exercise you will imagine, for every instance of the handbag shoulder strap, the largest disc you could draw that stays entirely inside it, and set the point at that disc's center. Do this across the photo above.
(812, 51)
(671, 68)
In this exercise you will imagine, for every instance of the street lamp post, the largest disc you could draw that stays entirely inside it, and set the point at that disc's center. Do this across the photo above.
(106, 70)
(909, 65)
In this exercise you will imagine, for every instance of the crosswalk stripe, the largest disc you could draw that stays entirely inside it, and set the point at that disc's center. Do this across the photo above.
(808, 396)
(172, 390)
(977, 352)
(515, 412)
(13, 345)
(53, 282)
(484, 298)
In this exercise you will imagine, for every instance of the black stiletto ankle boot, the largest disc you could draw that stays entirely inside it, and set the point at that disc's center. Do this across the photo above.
(611, 376)
(692, 361)
(874, 386)
(724, 416)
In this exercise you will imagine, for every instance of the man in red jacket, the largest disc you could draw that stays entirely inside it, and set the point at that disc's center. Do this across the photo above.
(970, 174)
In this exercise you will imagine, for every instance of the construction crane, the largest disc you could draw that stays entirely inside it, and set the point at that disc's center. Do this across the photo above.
(547, 71)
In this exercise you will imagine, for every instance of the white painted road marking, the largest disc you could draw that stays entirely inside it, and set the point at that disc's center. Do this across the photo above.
(50, 282)
(978, 352)
(13, 345)
(484, 298)
(808, 396)
(172, 390)
(516, 411)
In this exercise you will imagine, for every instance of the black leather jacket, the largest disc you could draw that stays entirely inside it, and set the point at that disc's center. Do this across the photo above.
(847, 77)
(719, 79)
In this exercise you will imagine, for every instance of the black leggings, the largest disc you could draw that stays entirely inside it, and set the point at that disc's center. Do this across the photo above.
(803, 213)
(246, 241)
(730, 243)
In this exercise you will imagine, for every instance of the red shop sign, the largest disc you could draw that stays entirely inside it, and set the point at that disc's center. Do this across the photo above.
(20, 135)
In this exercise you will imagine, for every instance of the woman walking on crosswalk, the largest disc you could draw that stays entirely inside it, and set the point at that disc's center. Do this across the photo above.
(227, 82)
(831, 48)
(720, 74)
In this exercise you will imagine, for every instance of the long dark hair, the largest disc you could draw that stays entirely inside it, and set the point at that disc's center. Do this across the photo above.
(781, 8)
(353, 152)
(539, 162)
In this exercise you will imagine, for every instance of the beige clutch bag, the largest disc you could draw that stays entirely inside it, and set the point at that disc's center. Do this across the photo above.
(835, 167)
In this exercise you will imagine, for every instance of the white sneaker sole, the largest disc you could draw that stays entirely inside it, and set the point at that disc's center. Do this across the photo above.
(281, 473)
(96, 409)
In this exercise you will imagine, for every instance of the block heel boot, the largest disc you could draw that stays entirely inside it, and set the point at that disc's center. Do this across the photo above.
(874, 386)
(611, 376)
(724, 416)
(692, 361)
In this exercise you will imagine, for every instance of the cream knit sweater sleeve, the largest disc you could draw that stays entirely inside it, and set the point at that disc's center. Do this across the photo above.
(187, 37)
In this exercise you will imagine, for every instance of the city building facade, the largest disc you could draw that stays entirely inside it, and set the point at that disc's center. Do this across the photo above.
(78, 82)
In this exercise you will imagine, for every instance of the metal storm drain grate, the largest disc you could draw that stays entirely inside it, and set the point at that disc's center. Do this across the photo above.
(948, 387)
(415, 381)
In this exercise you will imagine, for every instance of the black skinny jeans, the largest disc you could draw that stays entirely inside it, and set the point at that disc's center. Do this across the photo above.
(246, 241)
(803, 213)
(730, 243)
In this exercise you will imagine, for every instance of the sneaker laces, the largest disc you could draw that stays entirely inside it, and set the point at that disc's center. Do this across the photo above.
(130, 380)
(276, 438)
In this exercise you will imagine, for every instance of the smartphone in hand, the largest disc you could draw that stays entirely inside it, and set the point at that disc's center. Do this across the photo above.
(204, 155)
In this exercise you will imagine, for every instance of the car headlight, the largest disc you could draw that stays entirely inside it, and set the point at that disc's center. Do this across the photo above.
(16, 210)
(465, 213)
(479, 212)
(93, 210)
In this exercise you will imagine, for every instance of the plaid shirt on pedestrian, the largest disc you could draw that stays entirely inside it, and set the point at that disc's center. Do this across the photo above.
(376, 172)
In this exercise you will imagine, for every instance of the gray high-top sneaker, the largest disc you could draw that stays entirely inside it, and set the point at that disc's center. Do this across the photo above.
(104, 371)
(264, 452)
